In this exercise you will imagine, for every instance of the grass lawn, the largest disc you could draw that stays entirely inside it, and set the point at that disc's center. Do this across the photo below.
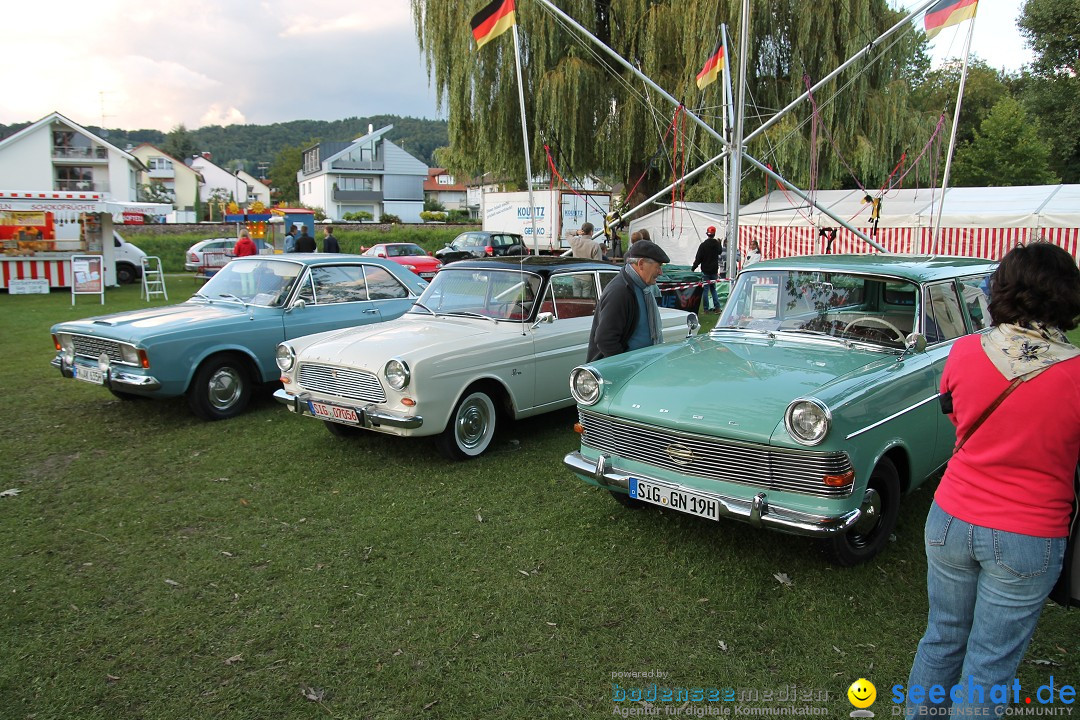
(156, 566)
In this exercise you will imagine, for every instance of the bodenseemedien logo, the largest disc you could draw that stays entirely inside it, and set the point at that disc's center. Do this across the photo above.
(862, 695)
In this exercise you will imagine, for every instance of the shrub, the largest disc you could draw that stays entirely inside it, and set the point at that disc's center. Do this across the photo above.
(358, 216)
(459, 217)
(390, 219)
(432, 216)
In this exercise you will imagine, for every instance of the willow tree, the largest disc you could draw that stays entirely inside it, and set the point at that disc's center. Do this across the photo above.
(598, 118)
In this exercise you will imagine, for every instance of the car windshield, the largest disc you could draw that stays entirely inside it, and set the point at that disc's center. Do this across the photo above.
(876, 310)
(498, 294)
(256, 282)
(404, 251)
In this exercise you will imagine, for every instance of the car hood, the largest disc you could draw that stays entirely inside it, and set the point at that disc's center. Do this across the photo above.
(412, 336)
(134, 325)
(742, 387)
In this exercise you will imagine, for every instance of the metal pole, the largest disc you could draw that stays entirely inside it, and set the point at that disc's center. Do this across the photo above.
(729, 112)
(952, 135)
(525, 141)
(738, 142)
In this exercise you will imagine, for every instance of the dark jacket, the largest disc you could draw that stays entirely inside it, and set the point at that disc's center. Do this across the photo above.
(708, 256)
(330, 244)
(615, 319)
(305, 244)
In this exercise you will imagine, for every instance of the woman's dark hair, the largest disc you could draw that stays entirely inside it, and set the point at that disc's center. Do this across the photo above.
(1036, 283)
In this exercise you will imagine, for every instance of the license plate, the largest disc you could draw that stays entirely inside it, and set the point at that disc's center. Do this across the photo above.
(674, 498)
(427, 275)
(333, 412)
(90, 375)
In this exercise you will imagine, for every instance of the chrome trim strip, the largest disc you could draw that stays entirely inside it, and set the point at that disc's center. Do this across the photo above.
(895, 415)
(756, 512)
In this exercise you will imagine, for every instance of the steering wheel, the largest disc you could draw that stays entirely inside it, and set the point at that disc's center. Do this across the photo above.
(870, 319)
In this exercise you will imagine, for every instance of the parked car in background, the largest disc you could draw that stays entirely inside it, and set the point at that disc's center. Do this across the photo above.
(409, 255)
(482, 243)
(218, 345)
(220, 251)
(809, 408)
(489, 340)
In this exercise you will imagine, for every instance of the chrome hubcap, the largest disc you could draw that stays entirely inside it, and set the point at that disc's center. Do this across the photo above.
(472, 424)
(224, 388)
(871, 514)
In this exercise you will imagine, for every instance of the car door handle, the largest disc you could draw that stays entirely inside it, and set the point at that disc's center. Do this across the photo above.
(370, 312)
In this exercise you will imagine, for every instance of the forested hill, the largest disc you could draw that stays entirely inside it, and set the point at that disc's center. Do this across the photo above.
(259, 144)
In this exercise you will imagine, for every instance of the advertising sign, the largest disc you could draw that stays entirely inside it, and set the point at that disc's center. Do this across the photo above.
(87, 276)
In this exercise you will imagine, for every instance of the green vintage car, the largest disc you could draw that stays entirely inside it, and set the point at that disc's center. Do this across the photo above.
(809, 409)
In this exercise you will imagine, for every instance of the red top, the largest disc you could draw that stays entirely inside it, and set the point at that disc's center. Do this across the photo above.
(1015, 472)
(245, 246)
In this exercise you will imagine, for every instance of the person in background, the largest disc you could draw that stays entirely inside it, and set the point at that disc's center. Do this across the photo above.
(330, 243)
(245, 245)
(996, 531)
(305, 243)
(753, 256)
(641, 234)
(708, 257)
(582, 244)
(627, 316)
(290, 240)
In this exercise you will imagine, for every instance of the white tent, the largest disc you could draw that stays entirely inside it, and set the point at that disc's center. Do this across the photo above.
(680, 228)
(981, 222)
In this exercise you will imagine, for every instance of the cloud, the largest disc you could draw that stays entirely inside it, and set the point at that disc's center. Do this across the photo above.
(217, 115)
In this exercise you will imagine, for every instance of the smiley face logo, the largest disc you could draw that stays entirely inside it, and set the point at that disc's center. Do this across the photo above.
(862, 693)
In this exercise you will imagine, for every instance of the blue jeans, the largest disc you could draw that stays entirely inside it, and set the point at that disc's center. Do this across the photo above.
(986, 590)
(712, 289)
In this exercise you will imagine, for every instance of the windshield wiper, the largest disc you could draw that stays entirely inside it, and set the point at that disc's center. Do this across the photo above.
(469, 313)
(736, 328)
(229, 296)
(420, 304)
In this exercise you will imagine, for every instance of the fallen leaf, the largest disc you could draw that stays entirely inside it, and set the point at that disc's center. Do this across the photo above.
(431, 704)
(397, 652)
(234, 659)
(479, 518)
(722, 645)
(783, 579)
(838, 650)
(313, 694)
(171, 582)
(226, 553)
(551, 624)
(1045, 662)
(244, 502)
(524, 572)
(111, 678)
(10, 493)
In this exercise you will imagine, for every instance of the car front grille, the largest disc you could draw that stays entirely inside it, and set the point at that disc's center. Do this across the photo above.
(91, 347)
(795, 471)
(343, 382)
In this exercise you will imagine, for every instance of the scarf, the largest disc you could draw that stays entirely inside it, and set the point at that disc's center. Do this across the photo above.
(1018, 350)
(652, 310)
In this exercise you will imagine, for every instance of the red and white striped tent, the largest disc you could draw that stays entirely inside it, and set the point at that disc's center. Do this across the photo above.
(981, 222)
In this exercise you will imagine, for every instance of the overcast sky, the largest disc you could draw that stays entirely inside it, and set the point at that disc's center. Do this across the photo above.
(155, 64)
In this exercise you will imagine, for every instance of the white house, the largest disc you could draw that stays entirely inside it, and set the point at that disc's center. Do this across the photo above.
(56, 153)
(180, 181)
(257, 190)
(370, 174)
(221, 185)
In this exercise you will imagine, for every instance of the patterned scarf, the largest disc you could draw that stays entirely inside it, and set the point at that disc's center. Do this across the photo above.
(651, 308)
(1017, 350)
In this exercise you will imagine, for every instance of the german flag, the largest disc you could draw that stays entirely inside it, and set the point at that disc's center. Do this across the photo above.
(712, 68)
(946, 13)
(492, 21)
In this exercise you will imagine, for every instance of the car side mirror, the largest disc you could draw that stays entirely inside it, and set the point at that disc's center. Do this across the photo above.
(430, 254)
(915, 343)
(545, 318)
(692, 324)
(382, 255)
(299, 304)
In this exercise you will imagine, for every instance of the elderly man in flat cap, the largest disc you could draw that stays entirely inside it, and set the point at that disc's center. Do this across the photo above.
(627, 317)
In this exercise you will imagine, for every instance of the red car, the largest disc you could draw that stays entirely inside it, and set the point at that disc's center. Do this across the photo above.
(409, 255)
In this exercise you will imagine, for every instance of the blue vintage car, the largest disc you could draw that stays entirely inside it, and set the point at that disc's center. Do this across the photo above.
(219, 344)
(809, 409)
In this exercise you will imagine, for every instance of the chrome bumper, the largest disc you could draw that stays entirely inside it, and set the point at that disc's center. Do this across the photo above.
(370, 416)
(757, 512)
(116, 378)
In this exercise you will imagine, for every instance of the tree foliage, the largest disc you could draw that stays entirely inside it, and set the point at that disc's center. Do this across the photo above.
(598, 118)
(935, 93)
(1007, 149)
(179, 143)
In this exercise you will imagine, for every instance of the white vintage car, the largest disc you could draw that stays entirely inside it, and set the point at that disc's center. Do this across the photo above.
(488, 340)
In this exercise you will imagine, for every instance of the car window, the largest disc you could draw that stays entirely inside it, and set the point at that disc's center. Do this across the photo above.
(976, 293)
(382, 285)
(944, 318)
(499, 294)
(571, 295)
(605, 278)
(338, 284)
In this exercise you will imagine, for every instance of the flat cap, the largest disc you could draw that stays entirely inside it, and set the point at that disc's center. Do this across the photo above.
(648, 249)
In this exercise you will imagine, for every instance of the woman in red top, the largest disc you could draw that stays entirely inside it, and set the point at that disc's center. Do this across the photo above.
(995, 535)
(245, 245)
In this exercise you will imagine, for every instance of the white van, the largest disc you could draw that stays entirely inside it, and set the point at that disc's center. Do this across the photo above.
(128, 260)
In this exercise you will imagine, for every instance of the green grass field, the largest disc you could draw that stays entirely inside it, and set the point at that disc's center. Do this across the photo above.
(155, 566)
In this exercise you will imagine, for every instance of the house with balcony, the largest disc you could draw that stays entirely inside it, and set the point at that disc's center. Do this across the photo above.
(444, 188)
(167, 177)
(369, 174)
(221, 186)
(57, 154)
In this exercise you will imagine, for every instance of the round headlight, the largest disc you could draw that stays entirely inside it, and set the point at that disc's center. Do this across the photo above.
(585, 385)
(397, 374)
(807, 421)
(285, 357)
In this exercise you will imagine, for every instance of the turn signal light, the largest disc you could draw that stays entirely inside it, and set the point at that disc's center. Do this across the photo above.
(144, 360)
(56, 342)
(408, 402)
(839, 480)
(579, 428)
(285, 379)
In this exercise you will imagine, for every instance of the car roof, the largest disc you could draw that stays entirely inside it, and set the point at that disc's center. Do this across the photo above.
(917, 268)
(489, 233)
(540, 264)
(319, 258)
